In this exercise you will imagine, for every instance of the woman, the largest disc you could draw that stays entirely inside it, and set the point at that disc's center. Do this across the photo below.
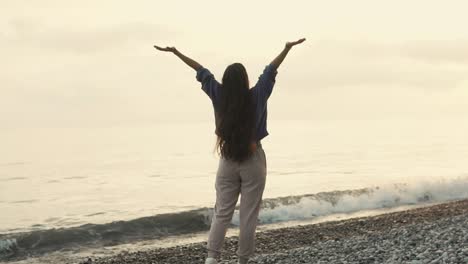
(240, 116)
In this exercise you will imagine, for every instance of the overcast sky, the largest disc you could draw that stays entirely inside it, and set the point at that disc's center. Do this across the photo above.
(91, 63)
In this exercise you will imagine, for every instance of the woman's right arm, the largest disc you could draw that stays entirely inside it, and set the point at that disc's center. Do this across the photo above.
(266, 81)
(279, 59)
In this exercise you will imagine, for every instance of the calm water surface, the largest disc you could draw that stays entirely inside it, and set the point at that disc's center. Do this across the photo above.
(60, 177)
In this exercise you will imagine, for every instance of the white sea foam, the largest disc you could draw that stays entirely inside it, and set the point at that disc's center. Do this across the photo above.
(387, 196)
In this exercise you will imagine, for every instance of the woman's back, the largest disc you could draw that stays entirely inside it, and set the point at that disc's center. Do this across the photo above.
(259, 93)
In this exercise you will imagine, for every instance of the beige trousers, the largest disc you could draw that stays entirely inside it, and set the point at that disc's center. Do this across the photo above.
(248, 180)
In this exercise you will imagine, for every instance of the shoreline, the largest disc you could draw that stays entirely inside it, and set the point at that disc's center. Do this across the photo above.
(298, 244)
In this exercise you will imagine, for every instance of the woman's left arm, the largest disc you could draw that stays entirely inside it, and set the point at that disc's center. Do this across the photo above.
(209, 84)
(190, 62)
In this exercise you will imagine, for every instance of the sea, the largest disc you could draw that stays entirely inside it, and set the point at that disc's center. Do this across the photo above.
(75, 191)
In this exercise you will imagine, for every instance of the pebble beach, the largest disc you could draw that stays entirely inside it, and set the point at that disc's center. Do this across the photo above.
(431, 234)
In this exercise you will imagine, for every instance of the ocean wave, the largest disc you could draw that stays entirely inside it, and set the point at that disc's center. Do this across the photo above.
(388, 196)
(273, 210)
(113, 233)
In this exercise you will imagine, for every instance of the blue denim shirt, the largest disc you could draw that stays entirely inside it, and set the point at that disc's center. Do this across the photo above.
(260, 92)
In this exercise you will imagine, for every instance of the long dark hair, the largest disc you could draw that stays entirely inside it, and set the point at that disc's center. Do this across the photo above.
(235, 115)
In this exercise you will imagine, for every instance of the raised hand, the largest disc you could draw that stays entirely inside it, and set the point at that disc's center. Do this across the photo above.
(167, 49)
(193, 64)
(293, 43)
(279, 59)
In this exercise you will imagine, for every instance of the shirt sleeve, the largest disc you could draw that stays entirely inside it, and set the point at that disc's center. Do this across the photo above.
(265, 82)
(209, 84)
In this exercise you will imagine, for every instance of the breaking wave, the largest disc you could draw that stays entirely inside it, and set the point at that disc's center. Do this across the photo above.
(273, 210)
